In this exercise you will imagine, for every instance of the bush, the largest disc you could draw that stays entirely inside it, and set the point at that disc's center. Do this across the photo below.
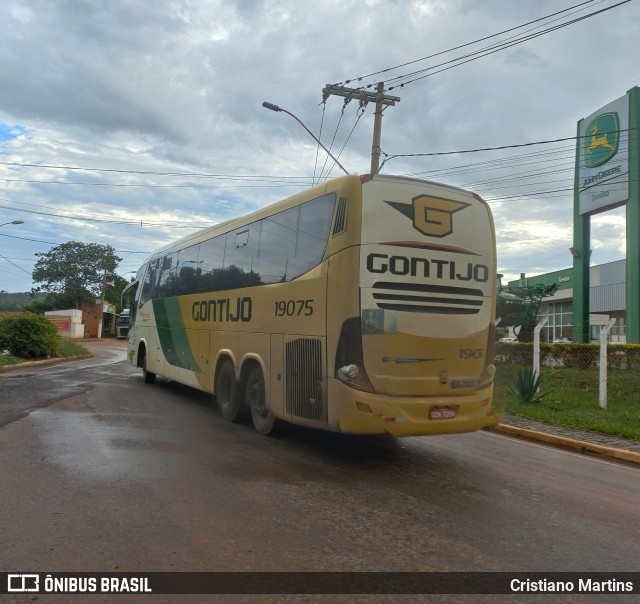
(526, 386)
(29, 336)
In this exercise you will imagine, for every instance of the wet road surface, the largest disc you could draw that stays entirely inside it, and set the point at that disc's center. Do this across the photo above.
(119, 475)
(28, 387)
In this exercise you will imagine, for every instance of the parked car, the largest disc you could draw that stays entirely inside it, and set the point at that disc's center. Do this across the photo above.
(508, 340)
(562, 341)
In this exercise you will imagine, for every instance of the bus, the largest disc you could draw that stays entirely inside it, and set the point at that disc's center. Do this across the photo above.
(364, 305)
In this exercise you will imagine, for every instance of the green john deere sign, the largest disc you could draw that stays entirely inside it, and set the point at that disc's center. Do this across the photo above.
(603, 157)
(607, 177)
(601, 142)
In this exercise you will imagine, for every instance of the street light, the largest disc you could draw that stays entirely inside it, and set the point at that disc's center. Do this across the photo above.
(276, 108)
(12, 222)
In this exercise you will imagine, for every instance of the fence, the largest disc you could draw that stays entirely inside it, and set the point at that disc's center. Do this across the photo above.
(621, 357)
(588, 359)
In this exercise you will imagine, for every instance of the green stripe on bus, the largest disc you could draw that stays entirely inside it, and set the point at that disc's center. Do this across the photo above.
(173, 335)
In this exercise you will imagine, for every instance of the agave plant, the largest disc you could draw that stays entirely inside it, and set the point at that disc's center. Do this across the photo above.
(526, 386)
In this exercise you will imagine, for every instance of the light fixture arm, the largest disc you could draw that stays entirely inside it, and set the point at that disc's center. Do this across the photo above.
(276, 108)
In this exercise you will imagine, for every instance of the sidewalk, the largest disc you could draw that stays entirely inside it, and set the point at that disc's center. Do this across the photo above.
(578, 440)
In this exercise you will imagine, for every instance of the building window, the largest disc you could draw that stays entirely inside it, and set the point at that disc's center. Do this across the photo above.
(560, 323)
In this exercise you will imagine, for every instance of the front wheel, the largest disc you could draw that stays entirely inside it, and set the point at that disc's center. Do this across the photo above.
(263, 419)
(148, 376)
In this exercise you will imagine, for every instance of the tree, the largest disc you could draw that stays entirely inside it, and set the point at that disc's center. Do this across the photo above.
(75, 270)
(113, 291)
(15, 301)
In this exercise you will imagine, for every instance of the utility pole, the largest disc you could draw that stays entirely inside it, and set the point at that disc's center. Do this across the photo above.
(379, 98)
(101, 313)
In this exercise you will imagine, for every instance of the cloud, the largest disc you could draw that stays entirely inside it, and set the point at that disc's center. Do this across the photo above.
(177, 88)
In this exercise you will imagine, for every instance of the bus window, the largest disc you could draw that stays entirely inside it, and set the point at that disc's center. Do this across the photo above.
(187, 271)
(146, 290)
(277, 245)
(165, 285)
(240, 256)
(313, 234)
(210, 262)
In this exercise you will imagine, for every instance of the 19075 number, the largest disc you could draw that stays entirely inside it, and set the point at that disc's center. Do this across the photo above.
(293, 308)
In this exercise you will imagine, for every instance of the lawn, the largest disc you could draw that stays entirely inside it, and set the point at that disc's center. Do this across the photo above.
(572, 400)
(67, 349)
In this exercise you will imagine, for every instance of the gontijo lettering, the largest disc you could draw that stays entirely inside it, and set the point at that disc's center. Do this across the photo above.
(422, 267)
(223, 310)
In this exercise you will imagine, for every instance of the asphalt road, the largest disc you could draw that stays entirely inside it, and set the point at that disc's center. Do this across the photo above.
(107, 473)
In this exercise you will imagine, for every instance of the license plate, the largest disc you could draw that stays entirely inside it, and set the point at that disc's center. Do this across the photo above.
(442, 412)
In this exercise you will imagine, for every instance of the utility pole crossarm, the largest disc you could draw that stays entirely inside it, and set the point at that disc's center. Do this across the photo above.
(359, 94)
(364, 96)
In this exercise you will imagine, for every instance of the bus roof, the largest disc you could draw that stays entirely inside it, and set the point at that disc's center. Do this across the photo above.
(279, 206)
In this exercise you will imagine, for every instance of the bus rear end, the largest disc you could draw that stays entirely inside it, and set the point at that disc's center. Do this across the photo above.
(419, 360)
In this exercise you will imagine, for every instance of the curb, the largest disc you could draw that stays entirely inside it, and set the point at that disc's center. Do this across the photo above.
(45, 362)
(562, 441)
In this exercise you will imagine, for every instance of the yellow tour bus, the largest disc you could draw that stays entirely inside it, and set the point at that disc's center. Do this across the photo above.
(364, 305)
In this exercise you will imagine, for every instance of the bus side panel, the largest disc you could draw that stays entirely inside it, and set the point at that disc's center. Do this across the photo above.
(144, 330)
(276, 391)
(255, 347)
(222, 344)
(343, 302)
(204, 361)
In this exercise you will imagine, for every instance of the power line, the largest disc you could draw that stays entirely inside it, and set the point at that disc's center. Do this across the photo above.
(442, 52)
(14, 264)
(404, 79)
(138, 222)
(153, 172)
(498, 148)
(59, 243)
(488, 50)
(302, 180)
(146, 186)
(503, 163)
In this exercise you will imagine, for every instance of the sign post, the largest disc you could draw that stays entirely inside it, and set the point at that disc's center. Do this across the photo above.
(607, 157)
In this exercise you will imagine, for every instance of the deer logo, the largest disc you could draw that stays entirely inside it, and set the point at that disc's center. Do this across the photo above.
(599, 148)
(599, 141)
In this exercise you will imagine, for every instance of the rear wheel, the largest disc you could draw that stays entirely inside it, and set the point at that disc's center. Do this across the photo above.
(230, 404)
(148, 376)
(263, 420)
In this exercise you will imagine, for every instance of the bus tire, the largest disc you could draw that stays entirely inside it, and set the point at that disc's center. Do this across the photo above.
(230, 404)
(255, 396)
(148, 376)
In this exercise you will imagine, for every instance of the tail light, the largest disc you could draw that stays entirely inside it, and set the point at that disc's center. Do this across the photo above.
(349, 362)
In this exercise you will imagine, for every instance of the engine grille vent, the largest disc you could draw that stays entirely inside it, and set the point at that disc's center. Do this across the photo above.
(436, 299)
(340, 223)
(303, 361)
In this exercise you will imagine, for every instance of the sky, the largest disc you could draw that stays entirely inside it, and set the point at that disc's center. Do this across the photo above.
(135, 122)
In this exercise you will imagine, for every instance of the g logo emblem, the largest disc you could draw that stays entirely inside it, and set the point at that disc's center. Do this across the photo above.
(433, 216)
